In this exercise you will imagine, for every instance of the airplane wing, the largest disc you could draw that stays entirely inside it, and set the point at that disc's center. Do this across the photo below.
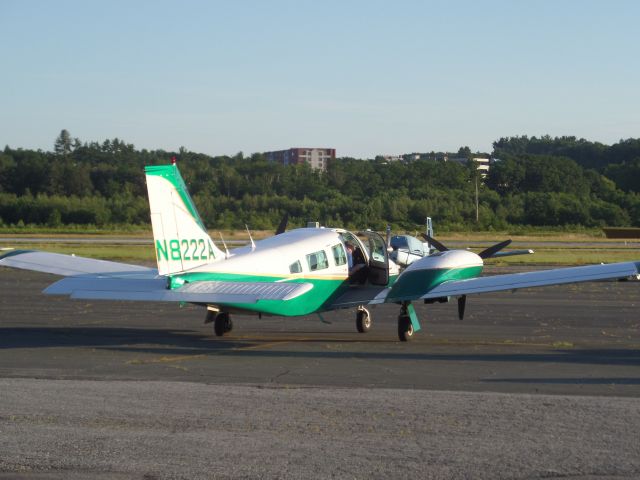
(514, 281)
(540, 278)
(155, 289)
(359, 295)
(88, 278)
(66, 265)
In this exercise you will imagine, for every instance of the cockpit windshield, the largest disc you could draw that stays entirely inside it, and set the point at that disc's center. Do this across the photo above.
(399, 241)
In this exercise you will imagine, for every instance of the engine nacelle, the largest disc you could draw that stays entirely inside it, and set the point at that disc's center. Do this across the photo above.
(428, 272)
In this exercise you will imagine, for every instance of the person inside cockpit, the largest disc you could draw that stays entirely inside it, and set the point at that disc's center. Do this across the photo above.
(357, 264)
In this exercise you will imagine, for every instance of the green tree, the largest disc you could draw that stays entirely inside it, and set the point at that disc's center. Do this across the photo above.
(63, 144)
(464, 152)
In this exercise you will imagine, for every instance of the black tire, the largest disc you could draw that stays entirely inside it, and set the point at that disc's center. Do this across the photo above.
(405, 328)
(220, 324)
(229, 325)
(363, 321)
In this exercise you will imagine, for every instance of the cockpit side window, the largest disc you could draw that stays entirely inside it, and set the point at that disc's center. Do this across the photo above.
(295, 267)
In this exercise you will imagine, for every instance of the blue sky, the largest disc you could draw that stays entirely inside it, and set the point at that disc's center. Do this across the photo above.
(364, 77)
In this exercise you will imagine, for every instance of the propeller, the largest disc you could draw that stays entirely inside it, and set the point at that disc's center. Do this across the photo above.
(462, 302)
(486, 253)
(283, 224)
(388, 237)
(432, 241)
(491, 251)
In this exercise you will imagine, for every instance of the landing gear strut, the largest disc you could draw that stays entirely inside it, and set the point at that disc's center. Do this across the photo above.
(221, 322)
(363, 320)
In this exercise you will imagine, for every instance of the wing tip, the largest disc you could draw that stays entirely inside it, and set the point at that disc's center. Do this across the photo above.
(13, 253)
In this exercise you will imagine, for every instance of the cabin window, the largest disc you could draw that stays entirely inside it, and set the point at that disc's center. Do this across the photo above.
(339, 255)
(317, 260)
(295, 267)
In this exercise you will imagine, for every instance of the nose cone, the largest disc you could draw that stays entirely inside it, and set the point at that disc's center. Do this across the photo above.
(429, 272)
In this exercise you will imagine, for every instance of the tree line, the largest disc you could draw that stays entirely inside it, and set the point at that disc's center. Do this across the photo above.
(561, 181)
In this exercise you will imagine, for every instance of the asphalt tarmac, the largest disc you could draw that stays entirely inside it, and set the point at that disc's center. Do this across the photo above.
(577, 339)
(78, 374)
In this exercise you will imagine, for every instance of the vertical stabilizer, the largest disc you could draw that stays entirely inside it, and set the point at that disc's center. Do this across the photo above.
(180, 238)
(429, 230)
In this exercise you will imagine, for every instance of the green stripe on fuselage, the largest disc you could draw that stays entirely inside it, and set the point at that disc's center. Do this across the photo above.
(413, 284)
(316, 299)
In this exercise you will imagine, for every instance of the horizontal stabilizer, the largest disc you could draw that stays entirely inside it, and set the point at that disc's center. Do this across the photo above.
(511, 253)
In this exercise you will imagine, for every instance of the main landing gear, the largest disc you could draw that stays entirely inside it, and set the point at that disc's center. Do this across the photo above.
(405, 326)
(405, 329)
(363, 320)
(221, 322)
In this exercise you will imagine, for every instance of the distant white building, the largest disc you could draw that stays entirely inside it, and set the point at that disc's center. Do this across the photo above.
(483, 163)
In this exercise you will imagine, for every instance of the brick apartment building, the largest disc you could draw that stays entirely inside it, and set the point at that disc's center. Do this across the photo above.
(317, 158)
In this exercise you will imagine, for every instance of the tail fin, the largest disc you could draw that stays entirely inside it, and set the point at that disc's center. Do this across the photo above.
(429, 226)
(181, 239)
(429, 230)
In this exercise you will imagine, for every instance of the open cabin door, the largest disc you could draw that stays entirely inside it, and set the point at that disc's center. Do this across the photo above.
(378, 258)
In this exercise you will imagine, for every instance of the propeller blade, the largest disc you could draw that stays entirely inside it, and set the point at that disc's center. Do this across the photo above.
(462, 302)
(283, 224)
(388, 237)
(432, 241)
(489, 252)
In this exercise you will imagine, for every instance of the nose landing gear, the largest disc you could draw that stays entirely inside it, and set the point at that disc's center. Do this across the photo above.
(363, 320)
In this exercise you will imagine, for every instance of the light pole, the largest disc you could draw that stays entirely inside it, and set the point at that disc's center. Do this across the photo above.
(477, 200)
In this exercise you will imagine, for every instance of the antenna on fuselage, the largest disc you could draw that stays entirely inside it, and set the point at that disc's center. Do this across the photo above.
(253, 244)
(226, 250)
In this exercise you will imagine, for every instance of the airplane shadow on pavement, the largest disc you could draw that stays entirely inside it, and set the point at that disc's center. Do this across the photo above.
(190, 342)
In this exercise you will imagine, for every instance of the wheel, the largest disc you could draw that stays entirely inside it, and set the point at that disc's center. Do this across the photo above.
(222, 324)
(363, 321)
(405, 328)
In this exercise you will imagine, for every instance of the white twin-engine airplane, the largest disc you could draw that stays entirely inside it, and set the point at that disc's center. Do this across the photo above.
(294, 273)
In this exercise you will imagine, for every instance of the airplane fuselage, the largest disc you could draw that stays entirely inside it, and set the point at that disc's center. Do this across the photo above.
(315, 256)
